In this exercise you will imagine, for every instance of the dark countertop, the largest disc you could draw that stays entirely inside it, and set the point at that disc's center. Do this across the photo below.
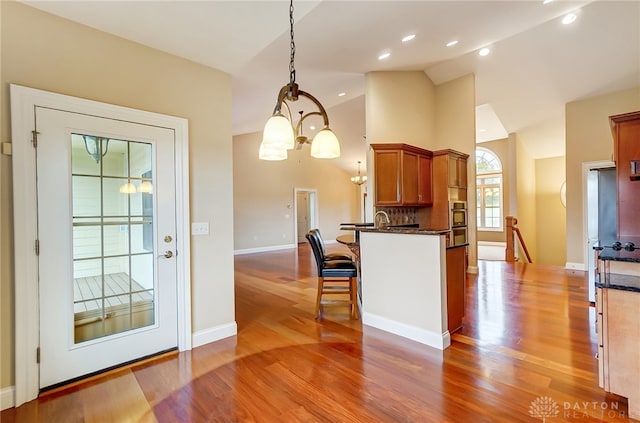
(622, 282)
(627, 249)
(623, 250)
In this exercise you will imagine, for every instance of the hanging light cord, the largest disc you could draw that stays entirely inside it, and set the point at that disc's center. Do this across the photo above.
(292, 68)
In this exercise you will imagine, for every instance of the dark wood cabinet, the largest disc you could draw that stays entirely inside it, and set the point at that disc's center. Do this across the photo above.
(456, 280)
(626, 153)
(402, 175)
(449, 173)
(457, 169)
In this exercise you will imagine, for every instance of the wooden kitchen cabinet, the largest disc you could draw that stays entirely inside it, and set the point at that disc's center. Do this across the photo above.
(456, 280)
(402, 175)
(626, 152)
(457, 169)
(449, 183)
(618, 340)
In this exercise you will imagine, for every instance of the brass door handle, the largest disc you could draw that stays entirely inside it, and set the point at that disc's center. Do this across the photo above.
(167, 254)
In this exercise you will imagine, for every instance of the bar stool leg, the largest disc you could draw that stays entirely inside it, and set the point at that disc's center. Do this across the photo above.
(319, 296)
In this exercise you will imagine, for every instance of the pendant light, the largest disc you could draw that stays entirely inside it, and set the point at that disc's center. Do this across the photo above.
(279, 133)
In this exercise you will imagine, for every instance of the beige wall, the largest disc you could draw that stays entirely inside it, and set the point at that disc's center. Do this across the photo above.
(551, 223)
(46, 52)
(526, 198)
(400, 108)
(588, 138)
(501, 149)
(264, 195)
(456, 129)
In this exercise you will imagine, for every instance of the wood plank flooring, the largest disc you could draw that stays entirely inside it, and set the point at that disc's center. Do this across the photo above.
(525, 353)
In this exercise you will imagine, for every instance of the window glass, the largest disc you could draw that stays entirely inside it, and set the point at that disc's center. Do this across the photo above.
(488, 190)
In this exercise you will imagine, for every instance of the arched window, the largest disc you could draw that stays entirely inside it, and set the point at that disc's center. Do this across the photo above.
(488, 190)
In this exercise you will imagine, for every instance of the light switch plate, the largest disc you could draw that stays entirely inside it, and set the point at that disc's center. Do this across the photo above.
(200, 228)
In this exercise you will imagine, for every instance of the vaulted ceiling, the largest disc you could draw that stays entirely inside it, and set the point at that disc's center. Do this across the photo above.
(536, 64)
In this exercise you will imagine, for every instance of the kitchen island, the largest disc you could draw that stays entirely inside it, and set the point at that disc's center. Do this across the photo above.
(404, 283)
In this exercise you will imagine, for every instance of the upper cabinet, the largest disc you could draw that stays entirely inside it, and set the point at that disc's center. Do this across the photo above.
(402, 175)
(626, 151)
(457, 169)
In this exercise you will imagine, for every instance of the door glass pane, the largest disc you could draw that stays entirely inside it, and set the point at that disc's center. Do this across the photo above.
(113, 249)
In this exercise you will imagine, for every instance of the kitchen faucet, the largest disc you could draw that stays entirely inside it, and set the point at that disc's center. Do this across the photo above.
(386, 217)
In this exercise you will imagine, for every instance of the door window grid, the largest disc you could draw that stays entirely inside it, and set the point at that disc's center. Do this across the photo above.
(113, 280)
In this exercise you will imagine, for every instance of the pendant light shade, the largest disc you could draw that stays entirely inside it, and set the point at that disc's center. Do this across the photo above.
(325, 145)
(278, 133)
(272, 153)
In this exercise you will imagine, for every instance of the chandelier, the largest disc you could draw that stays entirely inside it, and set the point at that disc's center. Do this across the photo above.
(359, 180)
(280, 134)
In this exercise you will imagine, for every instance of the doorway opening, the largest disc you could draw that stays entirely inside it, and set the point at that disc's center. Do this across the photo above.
(599, 210)
(306, 211)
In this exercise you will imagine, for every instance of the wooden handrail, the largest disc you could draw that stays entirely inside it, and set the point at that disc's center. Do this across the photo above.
(510, 250)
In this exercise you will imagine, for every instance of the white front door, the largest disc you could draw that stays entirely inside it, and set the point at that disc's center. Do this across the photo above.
(107, 242)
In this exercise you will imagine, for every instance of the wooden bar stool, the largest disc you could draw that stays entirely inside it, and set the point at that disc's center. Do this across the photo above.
(334, 276)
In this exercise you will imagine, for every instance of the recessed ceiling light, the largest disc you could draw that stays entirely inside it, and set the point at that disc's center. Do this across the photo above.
(484, 51)
(408, 38)
(342, 94)
(312, 127)
(452, 43)
(384, 56)
(569, 18)
(547, 1)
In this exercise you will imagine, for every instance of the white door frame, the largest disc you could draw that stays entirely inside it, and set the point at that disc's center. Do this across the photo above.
(314, 221)
(586, 217)
(23, 103)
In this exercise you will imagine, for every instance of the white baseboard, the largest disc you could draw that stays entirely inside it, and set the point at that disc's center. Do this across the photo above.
(213, 334)
(575, 266)
(264, 249)
(492, 244)
(7, 397)
(432, 339)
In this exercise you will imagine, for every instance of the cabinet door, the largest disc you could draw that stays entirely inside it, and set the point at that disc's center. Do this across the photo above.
(387, 176)
(425, 196)
(410, 169)
(627, 144)
(456, 278)
(457, 172)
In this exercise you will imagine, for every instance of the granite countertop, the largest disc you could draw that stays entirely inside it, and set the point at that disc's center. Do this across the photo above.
(622, 282)
(627, 249)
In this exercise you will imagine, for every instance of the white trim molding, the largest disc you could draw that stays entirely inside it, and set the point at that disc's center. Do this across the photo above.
(213, 334)
(264, 249)
(575, 266)
(24, 100)
(7, 397)
(423, 336)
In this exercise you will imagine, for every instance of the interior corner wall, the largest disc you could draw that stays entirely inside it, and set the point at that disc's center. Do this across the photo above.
(263, 197)
(589, 139)
(551, 220)
(526, 200)
(400, 108)
(43, 51)
(456, 129)
(501, 149)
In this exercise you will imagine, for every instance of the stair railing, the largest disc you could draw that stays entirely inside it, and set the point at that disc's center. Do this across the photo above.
(512, 230)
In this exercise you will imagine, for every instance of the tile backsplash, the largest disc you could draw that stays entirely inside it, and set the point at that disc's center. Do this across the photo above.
(400, 215)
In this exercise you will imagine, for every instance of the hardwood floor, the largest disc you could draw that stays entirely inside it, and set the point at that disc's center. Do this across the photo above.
(525, 352)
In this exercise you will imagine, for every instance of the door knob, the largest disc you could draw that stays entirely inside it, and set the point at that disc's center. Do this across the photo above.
(167, 254)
